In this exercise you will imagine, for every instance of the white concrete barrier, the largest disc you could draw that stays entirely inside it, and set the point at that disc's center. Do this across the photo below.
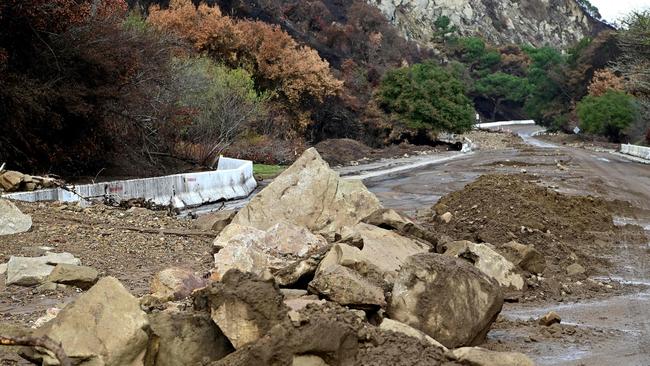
(636, 150)
(233, 179)
(504, 123)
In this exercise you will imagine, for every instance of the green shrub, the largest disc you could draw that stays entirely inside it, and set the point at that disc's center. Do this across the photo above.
(608, 114)
(426, 96)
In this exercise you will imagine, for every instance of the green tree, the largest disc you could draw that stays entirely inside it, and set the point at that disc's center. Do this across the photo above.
(426, 96)
(608, 114)
(500, 87)
(547, 99)
(444, 29)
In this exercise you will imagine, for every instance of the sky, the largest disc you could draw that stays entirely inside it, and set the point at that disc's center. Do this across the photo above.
(612, 10)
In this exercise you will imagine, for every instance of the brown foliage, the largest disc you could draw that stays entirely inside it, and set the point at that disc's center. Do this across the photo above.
(514, 60)
(603, 81)
(275, 59)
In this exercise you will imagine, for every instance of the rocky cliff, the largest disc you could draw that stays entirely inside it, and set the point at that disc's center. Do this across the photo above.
(558, 23)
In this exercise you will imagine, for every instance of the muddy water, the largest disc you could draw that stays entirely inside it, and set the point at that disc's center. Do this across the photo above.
(630, 314)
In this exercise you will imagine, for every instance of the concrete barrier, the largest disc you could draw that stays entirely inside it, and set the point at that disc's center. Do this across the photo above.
(636, 150)
(504, 123)
(233, 179)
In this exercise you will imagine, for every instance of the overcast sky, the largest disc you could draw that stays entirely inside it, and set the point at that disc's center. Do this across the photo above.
(612, 10)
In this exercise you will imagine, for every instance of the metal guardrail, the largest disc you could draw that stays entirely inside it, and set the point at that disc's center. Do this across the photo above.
(233, 179)
(504, 123)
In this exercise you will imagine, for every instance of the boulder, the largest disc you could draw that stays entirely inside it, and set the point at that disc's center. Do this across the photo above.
(252, 250)
(185, 338)
(390, 219)
(30, 271)
(175, 284)
(311, 195)
(12, 221)
(215, 221)
(383, 249)
(447, 298)
(10, 180)
(575, 269)
(549, 319)
(103, 326)
(79, 276)
(523, 256)
(243, 306)
(347, 287)
(477, 356)
(488, 261)
(398, 327)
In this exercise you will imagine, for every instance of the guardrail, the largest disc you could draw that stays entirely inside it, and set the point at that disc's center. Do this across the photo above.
(233, 179)
(504, 123)
(642, 152)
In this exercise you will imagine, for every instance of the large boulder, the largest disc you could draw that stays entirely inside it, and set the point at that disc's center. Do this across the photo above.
(175, 283)
(104, 326)
(185, 338)
(79, 276)
(486, 259)
(446, 298)
(383, 249)
(10, 180)
(525, 257)
(347, 287)
(243, 306)
(252, 250)
(31, 271)
(312, 195)
(387, 218)
(12, 221)
(477, 356)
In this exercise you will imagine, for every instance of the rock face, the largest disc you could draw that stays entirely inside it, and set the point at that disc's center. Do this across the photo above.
(243, 306)
(488, 261)
(446, 298)
(80, 276)
(312, 195)
(30, 271)
(560, 23)
(347, 287)
(12, 221)
(186, 338)
(104, 326)
(477, 356)
(252, 250)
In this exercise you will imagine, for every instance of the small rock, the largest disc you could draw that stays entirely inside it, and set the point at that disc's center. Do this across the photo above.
(10, 180)
(446, 217)
(290, 293)
(525, 257)
(399, 327)
(575, 269)
(477, 356)
(45, 287)
(308, 360)
(549, 319)
(12, 221)
(175, 284)
(30, 271)
(302, 302)
(50, 314)
(347, 287)
(79, 276)
(215, 221)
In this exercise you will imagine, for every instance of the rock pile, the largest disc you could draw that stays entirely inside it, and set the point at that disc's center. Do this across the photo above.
(11, 180)
(361, 285)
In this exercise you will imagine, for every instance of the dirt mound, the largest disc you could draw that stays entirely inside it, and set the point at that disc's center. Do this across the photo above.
(342, 151)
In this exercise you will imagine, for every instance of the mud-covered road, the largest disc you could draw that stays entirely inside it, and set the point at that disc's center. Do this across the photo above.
(573, 171)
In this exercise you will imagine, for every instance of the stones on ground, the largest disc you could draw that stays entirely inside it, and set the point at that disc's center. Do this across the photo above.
(549, 319)
(446, 298)
(185, 338)
(103, 326)
(575, 269)
(252, 250)
(523, 256)
(12, 221)
(477, 356)
(347, 287)
(31, 271)
(399, 327)
(488, 261)
(312, 195)
(79, 276)
(446, 217)
(215, 221)
(243, 306)
(175, 283)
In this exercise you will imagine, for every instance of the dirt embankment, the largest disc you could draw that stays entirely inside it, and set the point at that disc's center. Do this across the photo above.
(567, 230)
